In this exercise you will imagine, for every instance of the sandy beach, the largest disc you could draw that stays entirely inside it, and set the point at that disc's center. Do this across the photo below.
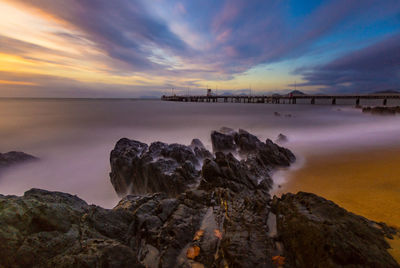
(364, 182)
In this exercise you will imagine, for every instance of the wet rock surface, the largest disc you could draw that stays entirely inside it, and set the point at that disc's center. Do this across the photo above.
(172, 168)
(316, 232)
(13, 158)
(226, 219)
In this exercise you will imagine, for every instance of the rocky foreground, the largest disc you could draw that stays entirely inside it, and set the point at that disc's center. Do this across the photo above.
(188, 207)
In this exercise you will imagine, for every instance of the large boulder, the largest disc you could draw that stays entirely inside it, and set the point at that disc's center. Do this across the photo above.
(137, 168)
(53, 229)
(222, 142)
(315, 232)
(247, 145)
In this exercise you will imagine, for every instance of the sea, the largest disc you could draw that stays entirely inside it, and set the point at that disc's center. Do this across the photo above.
(74, 137)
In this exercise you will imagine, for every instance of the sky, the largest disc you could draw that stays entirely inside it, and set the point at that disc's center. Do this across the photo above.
(142, 48)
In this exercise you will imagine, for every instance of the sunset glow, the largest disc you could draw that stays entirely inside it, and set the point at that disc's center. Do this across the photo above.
(144, 48)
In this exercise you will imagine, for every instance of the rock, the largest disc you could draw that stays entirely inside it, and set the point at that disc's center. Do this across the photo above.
(227, 130)
(222, 142)
(170, 168)
(13, 158)
(316, 232)
(207, 228)
(226, 220)
(281, 139)
(52, 229)
(277, 114)
(250, 148)
(199, 150)
(137, 168)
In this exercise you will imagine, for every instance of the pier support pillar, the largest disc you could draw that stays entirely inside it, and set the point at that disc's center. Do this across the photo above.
(385, 102)
(312, 100)
(358, 101)
(334, 101)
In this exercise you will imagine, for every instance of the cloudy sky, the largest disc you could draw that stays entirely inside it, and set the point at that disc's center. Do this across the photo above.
(133, 48)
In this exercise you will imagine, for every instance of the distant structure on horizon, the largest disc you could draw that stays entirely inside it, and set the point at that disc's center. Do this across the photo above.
(290, 98)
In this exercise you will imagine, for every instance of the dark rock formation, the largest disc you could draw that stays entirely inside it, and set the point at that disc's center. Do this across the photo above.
(249, 147)
(226, 220)
(223, 142)
(281, 139)
(382, 110)
(13, 158)
(316, 232)
(52, 229)
(171, 168)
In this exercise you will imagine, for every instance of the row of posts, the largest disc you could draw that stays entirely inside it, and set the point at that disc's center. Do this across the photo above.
(272, 100)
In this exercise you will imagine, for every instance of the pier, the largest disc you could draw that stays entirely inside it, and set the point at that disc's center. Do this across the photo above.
(279, 99)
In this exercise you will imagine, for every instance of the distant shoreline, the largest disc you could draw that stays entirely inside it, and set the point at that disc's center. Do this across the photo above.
(75, 99)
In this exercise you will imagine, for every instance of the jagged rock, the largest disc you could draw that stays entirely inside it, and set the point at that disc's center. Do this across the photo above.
(138, 168)
(227, 220)
(52, 229)
(281, 139)
(227, 172)
(222, 142)
(316, 232)
(200, 150)
(227, 130)
(13, 158)
(170, 168)
(252, 149)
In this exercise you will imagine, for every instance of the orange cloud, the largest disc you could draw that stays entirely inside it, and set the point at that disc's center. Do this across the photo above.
(19, 83)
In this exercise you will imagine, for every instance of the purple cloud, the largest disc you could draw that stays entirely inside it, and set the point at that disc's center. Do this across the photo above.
(375, 67)
(235, 36)
(124, 29)
(246, 34)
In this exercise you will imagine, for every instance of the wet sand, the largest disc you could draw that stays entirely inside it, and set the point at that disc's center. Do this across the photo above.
(366, 183)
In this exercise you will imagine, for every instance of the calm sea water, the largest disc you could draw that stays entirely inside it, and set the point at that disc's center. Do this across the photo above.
(73, 138)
